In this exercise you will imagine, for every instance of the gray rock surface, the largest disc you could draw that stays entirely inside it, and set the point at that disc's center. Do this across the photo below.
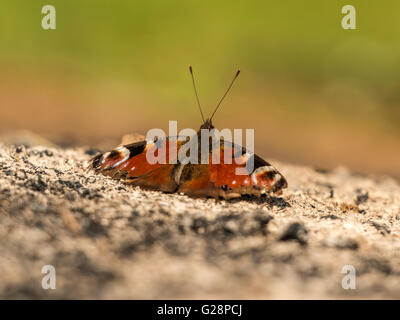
(109, 240)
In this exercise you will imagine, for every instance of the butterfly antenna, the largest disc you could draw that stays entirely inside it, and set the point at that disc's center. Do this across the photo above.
(226, 92)
(195, 91)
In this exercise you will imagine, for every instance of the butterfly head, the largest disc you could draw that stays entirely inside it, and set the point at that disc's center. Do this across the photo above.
(207, 125)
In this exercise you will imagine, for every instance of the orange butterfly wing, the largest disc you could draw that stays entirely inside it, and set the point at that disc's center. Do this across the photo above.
(129, 163)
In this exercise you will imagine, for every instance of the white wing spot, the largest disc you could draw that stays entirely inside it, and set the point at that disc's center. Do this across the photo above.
(124, 153)
(260, 171)
(104, 157)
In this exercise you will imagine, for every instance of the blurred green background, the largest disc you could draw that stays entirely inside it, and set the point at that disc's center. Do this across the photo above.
(314, 93)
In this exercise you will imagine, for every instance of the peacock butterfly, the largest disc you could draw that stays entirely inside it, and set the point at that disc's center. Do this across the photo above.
(219, 180)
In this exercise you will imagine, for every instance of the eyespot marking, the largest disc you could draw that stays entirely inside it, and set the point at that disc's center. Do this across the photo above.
(123, 153)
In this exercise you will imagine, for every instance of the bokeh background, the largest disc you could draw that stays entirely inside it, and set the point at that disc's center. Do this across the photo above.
(314, 93)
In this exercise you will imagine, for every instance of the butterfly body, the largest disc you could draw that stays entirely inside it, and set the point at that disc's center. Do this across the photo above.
(218, 180)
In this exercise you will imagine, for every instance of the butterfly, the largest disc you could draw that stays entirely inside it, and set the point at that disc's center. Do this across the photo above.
(218, 180)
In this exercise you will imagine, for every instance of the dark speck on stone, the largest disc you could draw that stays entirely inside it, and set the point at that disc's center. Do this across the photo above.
(20, 149)
(330, 216)
(361, 197)
(295, 231)
(48, 153)
(92, 151)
